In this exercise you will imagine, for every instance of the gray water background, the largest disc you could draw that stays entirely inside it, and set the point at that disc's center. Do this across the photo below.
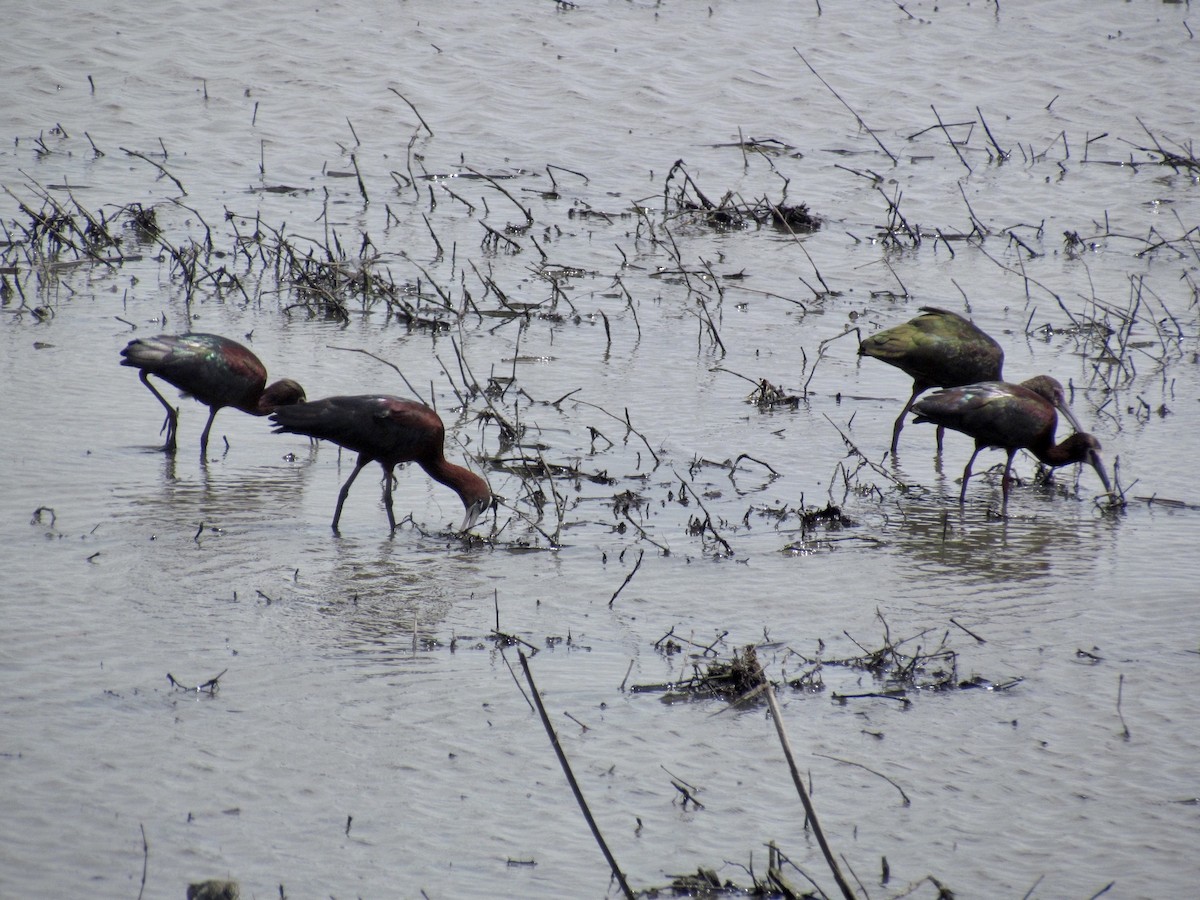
(358, 677)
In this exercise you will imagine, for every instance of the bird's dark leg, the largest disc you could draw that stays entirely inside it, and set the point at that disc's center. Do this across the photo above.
(172, 421)
(941, 435)
(344, 492)
(212, 414)
(1004, 483)
(389, 481)
(962, 495)
(899, 426)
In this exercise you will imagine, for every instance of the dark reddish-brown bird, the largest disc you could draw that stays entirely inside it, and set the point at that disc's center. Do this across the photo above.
(386, 430)
(212, 369)
(1012, 417)
(938, 348)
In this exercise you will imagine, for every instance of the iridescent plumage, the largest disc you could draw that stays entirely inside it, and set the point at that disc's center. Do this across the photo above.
(386, 430)
(1012, 417)
(212, 369)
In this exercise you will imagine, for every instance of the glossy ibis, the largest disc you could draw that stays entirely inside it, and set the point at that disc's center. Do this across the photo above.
(1012, 417)
(938, 348)
(212, 369)
(386, 430)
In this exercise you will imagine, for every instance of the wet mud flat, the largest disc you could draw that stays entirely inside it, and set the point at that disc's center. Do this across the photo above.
(771, 656)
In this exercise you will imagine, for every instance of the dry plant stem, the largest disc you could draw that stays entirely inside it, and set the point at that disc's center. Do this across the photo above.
(976, 225)
(145, 860)
(907, 801)
(808, 807)
(854, 451)
(526, 519)
(517, 682)
(821, 353)
(445, 297)
(558, 502)
(496, 185)
(1120, 715)
(496, 236)
(362, 188)
(626, 423)
(471, 383)
(1002, 154)
(628, 578)
(414, 109)
(949, 139)
(566, 767)
(407, 383)
(160, 168)
(645, 535)
(967, 630)
(799, 243)
(857, 117)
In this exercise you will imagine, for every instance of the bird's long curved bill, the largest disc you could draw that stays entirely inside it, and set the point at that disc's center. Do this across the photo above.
(474, 511)
(1098, 464)
(1069, 415)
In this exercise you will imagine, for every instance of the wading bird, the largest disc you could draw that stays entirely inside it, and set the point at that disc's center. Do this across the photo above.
(386, 430)
(1012, 417)
(214, 370)
(938, 348)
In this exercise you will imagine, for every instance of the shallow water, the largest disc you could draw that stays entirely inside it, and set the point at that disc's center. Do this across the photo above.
(358, 677)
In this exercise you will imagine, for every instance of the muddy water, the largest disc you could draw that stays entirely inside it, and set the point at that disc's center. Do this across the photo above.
(359, 684)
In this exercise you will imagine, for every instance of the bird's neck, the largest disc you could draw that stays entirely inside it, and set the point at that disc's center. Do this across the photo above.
(1059, 454)
(463, 481)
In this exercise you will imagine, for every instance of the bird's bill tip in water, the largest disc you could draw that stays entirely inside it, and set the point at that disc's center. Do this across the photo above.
(474, 511)
(1098, 464)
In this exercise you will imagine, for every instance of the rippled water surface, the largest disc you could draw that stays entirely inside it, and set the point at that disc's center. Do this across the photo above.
(369, 737)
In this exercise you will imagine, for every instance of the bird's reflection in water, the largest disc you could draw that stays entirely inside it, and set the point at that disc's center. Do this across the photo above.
(188, 493)
(387, 602)
(972, 554)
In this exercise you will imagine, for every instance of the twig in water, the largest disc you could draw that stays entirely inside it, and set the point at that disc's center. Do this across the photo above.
(362, 188)
(145, 860)
(1003, 154)
(808, 807)
(857, 117)
(628, 578)
(160, 168)
(1120, 690)
(626, 678)
(414, 109)
(968, 631)
(407, 384)
(953, 145)
(566, 767)
(907, 802)
(496, 185)
(821, 353)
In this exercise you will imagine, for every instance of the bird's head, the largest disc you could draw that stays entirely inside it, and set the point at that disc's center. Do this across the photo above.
(476, 497)
(284, 392)
(1085, 448)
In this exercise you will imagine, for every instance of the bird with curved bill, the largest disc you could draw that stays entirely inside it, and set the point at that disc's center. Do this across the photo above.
(938, 348)
(1012, 417)
(212, 369)
(387, 430)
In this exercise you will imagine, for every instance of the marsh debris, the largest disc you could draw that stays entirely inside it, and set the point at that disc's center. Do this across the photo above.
(683, 196)
(898, 668)
(706, 882)
(214, 889)
(718, 679)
